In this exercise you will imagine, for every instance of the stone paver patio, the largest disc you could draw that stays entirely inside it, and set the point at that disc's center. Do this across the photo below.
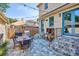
(40, 47)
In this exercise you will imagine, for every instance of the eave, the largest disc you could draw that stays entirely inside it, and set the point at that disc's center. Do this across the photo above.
(59, 9)
(3, 18)
(39, 4)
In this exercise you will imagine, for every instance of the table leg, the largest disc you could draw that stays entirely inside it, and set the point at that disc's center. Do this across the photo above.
(21, 46)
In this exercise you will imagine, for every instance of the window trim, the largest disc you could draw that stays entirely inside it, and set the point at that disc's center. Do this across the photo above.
(42, 27)
(53, 21)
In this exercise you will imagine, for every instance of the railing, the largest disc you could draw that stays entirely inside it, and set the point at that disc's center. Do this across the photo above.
(57, 32)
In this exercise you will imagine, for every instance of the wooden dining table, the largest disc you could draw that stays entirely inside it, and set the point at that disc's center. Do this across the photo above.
(20, 39)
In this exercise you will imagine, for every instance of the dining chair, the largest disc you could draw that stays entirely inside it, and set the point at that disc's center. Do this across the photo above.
(1, 36)
(16, 43)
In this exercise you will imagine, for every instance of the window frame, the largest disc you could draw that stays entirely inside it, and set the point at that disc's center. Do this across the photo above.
(46, 6)
(49, 21)
(42, 26)
(69, 34)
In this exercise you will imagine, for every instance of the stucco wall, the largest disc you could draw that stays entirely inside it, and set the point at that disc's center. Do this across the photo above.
(2, 30)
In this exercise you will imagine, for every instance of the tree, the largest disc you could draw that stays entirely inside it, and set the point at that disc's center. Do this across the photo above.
(4, 6)
(12, 20)
(38, 20)
(77, 18)
(68, 16)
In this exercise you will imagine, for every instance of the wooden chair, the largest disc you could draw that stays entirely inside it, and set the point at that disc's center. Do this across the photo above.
(49, 37)
(16, 43)
(1, 36)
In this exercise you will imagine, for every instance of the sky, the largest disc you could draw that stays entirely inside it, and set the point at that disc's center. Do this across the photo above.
(77, 12)
(19, 11)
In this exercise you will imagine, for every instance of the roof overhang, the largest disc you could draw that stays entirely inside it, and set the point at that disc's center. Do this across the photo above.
(3, 18)
(61, 8)
(39, 4)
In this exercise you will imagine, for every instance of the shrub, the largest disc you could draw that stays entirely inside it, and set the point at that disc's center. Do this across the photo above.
(3, 49)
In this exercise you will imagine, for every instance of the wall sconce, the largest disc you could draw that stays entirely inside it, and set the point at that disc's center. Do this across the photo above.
(46, 19)
(59, 14)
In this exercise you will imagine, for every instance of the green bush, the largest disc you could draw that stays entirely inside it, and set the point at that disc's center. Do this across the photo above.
(3, 49)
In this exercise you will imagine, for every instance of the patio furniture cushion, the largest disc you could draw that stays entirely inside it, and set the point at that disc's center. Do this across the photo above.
(18, 34)
(26, 43)
(15, 41)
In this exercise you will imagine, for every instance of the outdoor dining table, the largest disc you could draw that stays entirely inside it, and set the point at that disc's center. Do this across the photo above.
(23, 39)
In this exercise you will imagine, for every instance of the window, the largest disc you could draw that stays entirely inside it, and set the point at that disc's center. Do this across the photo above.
(46, 5)
(67, 22)
(77, 21)
(51, 21)
(71, 22)
(42, 26)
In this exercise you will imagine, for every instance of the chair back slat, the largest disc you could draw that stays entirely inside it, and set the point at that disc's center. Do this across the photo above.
(1, 36)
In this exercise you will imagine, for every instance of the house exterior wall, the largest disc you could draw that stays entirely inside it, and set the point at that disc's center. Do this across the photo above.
(3, 31)
(56, 13)
(3, 26)
(51, 6)
(45, 26)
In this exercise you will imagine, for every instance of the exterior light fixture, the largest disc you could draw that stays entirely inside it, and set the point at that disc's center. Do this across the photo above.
(59, 14)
